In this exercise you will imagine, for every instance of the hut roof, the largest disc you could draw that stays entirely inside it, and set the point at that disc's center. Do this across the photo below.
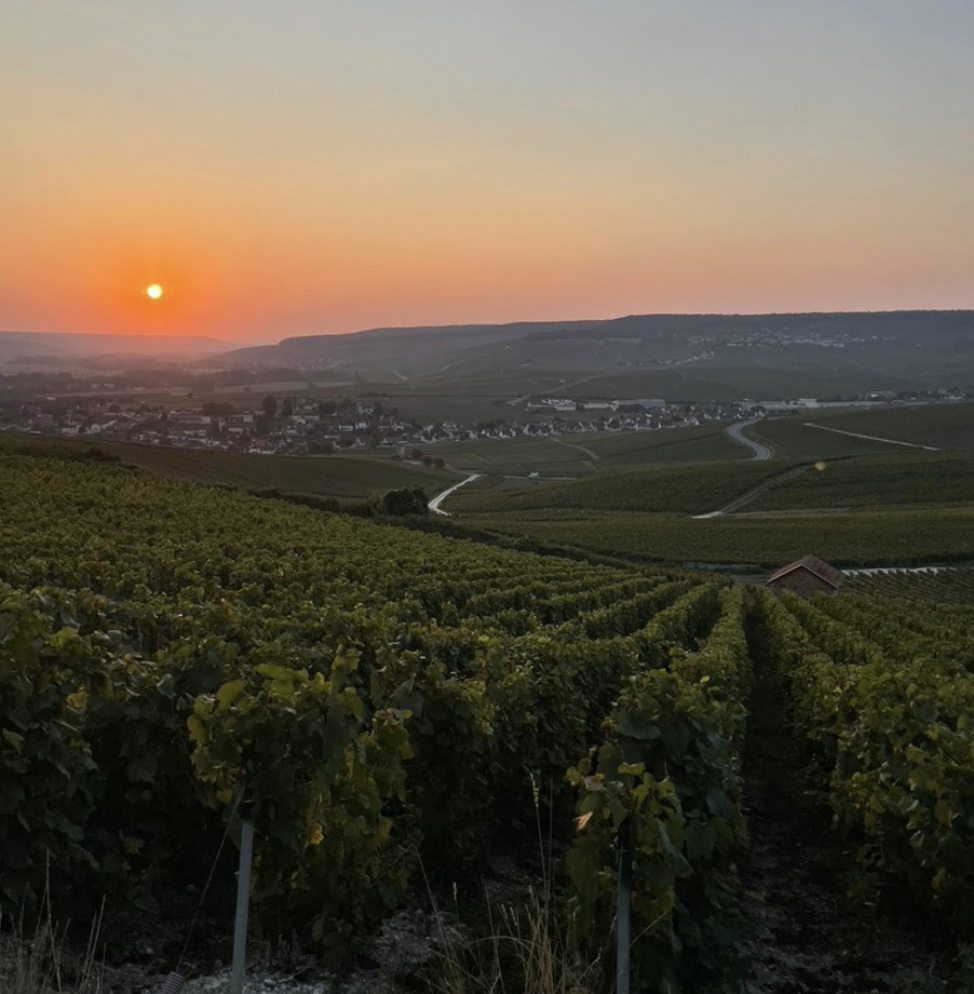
(829, 574)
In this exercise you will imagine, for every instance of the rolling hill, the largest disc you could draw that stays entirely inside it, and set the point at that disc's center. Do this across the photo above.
(676, 356)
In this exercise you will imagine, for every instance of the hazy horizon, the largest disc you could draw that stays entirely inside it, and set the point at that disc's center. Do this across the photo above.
(326, 169)
(271, 341)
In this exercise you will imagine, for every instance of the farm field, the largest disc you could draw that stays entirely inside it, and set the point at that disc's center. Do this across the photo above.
(387, 685)
(516, 457)
(874, 481)
(865, 502)
(789, 437)
(670, 445)
(765, 378)
(693, 489)
(584, 454)
(398, 696)
(905, 536)
(944, 426)
(338, 476)
(935, 585)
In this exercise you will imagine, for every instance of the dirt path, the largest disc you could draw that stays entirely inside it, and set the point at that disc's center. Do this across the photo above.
(574, 445)
(806, 937)
(746, 498)
(871, 438)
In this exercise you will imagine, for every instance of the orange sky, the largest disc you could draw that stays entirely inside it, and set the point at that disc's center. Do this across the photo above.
(301, 168)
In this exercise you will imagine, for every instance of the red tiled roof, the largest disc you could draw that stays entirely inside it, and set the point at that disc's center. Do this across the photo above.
(832, 576)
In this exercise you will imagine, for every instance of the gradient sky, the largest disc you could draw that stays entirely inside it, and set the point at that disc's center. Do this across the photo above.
(300, 166)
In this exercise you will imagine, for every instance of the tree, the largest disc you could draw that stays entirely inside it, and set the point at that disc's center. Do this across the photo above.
(408, 500)
(269, 405)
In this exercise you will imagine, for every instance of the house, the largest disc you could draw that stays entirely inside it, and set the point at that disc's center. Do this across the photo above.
(806, 576)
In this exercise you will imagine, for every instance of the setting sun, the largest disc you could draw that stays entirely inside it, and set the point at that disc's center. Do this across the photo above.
(154, 291)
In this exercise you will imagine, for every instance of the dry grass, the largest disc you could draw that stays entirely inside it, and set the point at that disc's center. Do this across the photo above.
(525, 953)
(39, 961)
(526, 950)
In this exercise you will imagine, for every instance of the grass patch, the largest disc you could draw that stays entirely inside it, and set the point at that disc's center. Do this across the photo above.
(40, 960)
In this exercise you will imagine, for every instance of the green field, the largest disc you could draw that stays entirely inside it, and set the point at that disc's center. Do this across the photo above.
(866, 538)
(944, 426)
(875, 481)
(790, 438)
(342, 477)
(516, 457)
(402, 704)
(761, 380)
(578, 455)
(629, 494)
(704, 443)
(692, 489)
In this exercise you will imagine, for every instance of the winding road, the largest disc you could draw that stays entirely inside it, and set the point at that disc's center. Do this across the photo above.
(434, 504)
(761, 453)
(736, 431)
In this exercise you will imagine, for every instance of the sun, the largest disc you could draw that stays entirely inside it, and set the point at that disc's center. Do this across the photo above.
(154, 291)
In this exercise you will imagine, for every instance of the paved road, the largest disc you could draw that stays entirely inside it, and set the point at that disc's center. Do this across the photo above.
(434, 504)
(761, 452)
(736, 432)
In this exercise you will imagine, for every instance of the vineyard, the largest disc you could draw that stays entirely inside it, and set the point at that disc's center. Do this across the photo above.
(404, 705)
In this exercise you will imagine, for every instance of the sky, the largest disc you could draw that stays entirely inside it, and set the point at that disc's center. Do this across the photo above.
(304, 167)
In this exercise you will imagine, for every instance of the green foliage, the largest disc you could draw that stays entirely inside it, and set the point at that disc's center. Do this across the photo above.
(408, 500)
(320, 763)
(932, 589)
(45, 764)
(870, 481)
(390, 692)
(95, 756)
(891, 722)
(692, 489)
(944, 426)
(904, 536)
(666, 779)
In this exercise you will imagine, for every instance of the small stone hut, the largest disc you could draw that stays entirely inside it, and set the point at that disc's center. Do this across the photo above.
(807, 576)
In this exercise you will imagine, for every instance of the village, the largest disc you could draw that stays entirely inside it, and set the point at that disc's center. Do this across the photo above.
(303, 426)
(296, 425)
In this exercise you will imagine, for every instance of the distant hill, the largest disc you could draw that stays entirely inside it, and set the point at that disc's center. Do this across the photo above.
(412, 348)
(892, 350)
(30, 349)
